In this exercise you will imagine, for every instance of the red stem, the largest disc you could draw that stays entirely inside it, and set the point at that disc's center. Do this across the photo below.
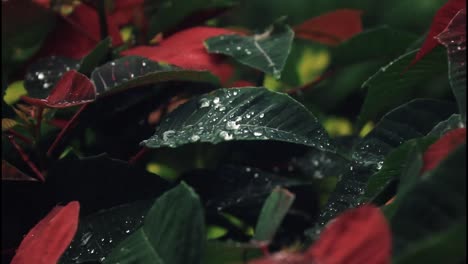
(310, 85)
(20, 136)
(71, 124)
(26, 159)
(138, 155)
(40, 110)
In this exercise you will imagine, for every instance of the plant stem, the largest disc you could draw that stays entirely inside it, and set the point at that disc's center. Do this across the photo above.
(310, 85)
(70, 125)
(138, 155)
(20, 136)
(37, 133)
(25, 158)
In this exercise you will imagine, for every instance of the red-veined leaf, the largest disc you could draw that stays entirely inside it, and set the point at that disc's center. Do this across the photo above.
(78, 33)
(11, 173)
(440, 21)
(331, 28)
(72, 89)
(442, 147)
(185, 49)
(46, 242)
(360, 235)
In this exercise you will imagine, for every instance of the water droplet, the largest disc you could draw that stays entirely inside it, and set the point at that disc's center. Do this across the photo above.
(40, 76)
(231, 125)
(248, 169)
(46, 85)
(127, 231)
(318, 174)
(257, 134)
(351, 168)
(143, 64)
(238, 48)
(256, 175)
(216, 100)
(92, 251)
(225, 135)
(113, 63)
(85, 239)
(261, 115)
(132, 75)
(194, 138)
(248, 52)
(222, 108)
(204, 103)
(379, 165)
(168, 134)
(234, 93)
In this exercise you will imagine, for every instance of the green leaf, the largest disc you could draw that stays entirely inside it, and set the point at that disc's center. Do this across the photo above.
(453, 122)
(377, 43)
(380, 182)
(393, 84)
(240, 114)
(173, 232)
(267, 51)
(273, 211)
(171, 13)
(98, 233)
(42, 75)
(412, 120)
(217, 252)
(133, 71)
(454, 39)
(430, 208)
(96, 56)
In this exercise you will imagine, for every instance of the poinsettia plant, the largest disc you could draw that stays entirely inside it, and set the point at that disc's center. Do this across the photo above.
(227, 132)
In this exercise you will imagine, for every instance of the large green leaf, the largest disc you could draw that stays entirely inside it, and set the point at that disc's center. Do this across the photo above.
(217, 252)
(378, 43)
(454, 39)
(393, 84)
(453, 122)
(173, 232)
(240, 114)
(267, 51)
(273, 211)
(412, 120)
(99, 233)
(132, 71)
(379, 183)
(171, 13)
(430, 208)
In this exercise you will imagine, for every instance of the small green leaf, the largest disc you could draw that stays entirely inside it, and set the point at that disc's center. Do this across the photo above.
(267, 51)
(132, 71)
(239, 115)
(13, 92)
(99, 53)
(273, 211)
(173, 232)
(393, 84)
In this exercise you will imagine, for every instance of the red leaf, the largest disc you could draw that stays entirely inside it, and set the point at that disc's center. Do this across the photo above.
(71, 90)
(46, 242)
(442, 147)
(440, 21)
(185, 49)
(331, 28)
(126, 11)
(242, 83)
(77, 34)
(357, 236)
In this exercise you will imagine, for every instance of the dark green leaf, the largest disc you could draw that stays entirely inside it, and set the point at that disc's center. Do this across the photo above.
(132, 71)
(267, 51)
(378, 43)
(170, 13)
(98, 233)
(217, 252)
(430, 207)
(95, 57)
(101, 182)
(393, 84)
(412, 120)
(273, 211)
(454, 39)
(240, 114)
(173, 232)
(42, 75)
(393, 166)
(453, 122)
